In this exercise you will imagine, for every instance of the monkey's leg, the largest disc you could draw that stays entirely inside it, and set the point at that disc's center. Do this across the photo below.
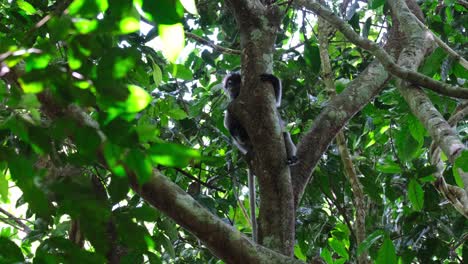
(290, 149)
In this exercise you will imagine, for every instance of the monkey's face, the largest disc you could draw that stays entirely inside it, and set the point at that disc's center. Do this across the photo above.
(232, 84)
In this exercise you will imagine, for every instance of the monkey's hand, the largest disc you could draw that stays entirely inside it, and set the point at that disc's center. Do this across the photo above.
(292, 161)
(266, 77)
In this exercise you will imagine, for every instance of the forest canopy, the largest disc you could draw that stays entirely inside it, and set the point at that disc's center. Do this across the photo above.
(114, 147)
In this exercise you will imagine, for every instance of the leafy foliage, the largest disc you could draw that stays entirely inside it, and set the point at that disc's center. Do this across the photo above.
(157, 111)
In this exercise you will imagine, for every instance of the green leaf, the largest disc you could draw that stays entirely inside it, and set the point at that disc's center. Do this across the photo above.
(416, 129)
(10, 252)
(460, 166)
(172, 155)
(389, 167)
(137, 100)
(26, 7)
(138, 162)
(386, 253)
(173, 11)
(406, 145)
(339, 247)
(31, 87)
(298, 253)
(326, 255)
(177, 114)
(369, 241)
(374, 4)
(416, 195)
(173, 40)
(157, 74)
(113, 156)
(432, 63)
(130, 24)
(85, 26)
(181, 72)
(88, 8)
(37, 61)
(3, 185)
(23, 173)
(118, 189)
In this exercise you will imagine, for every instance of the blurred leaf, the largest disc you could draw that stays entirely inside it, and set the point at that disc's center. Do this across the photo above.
(157, 75)
(386, 253)
(190, 6)
(173, 39)
(416, 195)
(26, 7)
(369, 241)
(24, 175)
(339, 247)
(374, 4)
(3, 185)
(138, 162)
(172, 155)
(10, 252)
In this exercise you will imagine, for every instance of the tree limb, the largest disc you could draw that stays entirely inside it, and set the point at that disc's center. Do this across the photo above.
(440, 130)
(385, 58)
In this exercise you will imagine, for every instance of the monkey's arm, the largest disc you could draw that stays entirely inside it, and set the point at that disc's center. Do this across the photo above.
(276, 83)
(238, 133)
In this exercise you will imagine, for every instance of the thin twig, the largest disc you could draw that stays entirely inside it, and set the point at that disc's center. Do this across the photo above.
(384, 58)
(17, 220)
(211, 44)
(190, 176)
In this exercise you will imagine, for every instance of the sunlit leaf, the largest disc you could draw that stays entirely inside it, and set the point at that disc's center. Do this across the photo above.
(31, 87)
(173, 155)
(85, 26)
(122, 66)
(88, 7)
(129, 25)
(39, 61)
(3, 186)
(137, 100)
(26, 7)
(173, 40)
(339, 247)
(190, 6)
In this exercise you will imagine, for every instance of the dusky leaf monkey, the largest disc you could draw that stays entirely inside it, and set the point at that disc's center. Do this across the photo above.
(232, 85)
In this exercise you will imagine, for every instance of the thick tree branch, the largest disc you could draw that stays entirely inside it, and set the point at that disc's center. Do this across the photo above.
(235, 247)
(388, 62)
(440, 130)
(166, 196)
(331, 120)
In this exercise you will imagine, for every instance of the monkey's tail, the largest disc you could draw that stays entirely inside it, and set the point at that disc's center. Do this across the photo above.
(252, 199)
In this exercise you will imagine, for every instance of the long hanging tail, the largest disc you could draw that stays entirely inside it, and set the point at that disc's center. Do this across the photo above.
(252, 199)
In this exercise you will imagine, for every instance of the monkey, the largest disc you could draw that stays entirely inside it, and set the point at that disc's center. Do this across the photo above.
(232, 85)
